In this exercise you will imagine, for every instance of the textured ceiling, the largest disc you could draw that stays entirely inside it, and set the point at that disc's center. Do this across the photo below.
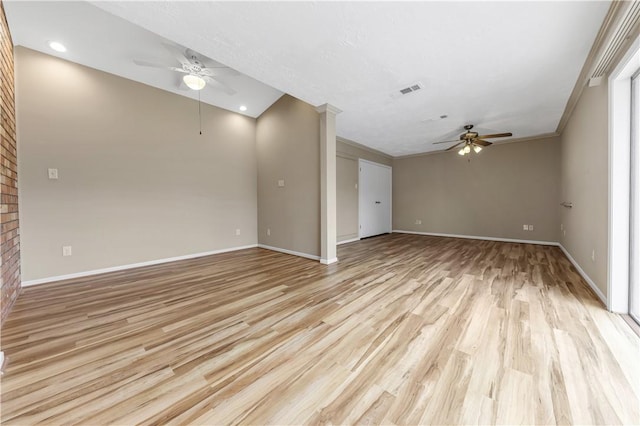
(103, 41)
(503, 66)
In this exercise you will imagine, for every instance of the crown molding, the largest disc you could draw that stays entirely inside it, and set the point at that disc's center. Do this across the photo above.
(363, 147)
(328, 108)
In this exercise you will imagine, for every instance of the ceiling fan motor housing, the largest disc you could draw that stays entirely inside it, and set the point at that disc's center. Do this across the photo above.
(469, 135)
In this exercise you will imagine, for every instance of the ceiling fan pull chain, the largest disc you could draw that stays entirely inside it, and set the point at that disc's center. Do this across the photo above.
(199, 113)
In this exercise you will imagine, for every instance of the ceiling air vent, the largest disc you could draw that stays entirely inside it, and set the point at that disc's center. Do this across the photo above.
(412, 88)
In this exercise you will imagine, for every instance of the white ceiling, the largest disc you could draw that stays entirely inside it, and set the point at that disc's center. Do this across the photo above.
(106, 42)
(504, 66)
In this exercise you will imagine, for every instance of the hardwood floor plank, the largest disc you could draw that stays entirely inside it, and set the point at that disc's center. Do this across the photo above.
(515, 402)
(445, 406)
(578, 384)
(376, 412)
(405, 329)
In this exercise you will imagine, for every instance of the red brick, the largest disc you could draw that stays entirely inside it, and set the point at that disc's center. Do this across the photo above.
(9, 225)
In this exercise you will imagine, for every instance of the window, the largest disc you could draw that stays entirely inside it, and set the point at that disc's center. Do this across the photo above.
(634, 261)
(624, 172)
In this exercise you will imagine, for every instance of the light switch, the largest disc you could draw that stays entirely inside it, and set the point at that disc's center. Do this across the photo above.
(281, 183)
(66, 251)
(53, 173)
(525, 227)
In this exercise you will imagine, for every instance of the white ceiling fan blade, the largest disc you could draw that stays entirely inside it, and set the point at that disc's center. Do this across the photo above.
(177, 52)
(219, 70)
(149, 64)
(219, 84)
(176, 69)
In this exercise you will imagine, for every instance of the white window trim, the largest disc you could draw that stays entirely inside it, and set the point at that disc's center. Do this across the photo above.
(620, 178)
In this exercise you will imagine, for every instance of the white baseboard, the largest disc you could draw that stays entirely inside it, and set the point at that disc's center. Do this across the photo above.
(131, 266)
(352, 240)
(329, 261)
(295, 253)
(474, 237)
(584, 275)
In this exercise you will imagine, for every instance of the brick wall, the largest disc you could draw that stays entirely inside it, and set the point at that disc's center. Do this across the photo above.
(9, 230)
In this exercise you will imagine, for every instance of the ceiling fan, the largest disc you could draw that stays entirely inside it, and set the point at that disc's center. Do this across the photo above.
(471, 140)
(195, 72)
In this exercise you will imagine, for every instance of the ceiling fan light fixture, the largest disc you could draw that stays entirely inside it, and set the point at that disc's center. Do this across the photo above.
(194, 82)
(472, 140)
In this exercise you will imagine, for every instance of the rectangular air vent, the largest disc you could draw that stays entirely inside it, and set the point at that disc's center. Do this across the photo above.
(410, 89)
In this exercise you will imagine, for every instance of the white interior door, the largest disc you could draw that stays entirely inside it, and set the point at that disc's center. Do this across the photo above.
(374, 206)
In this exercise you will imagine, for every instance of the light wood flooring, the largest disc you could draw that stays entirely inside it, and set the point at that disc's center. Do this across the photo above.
(404, 329)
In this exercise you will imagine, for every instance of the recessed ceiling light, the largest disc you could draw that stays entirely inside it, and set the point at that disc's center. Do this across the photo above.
(57, 46)
(243, 108)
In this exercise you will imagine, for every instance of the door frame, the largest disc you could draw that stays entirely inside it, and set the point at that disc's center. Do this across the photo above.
(360, 203)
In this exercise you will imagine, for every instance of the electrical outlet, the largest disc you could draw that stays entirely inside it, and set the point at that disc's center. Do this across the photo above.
(564, 233)
(525, 227)
(281, 183)
(593, 255)
(530, 227)
(561, 227)
(53, 173)
(66, 250)
(237, 231)
(418, 222)
(268, 231)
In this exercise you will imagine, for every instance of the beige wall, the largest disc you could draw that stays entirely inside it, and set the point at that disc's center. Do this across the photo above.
(347, 198)
(584, 182)
(491, 194)
(136, 180)
(288, 145)
(348, 154)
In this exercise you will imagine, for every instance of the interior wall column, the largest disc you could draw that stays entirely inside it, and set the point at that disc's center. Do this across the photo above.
(328, 221)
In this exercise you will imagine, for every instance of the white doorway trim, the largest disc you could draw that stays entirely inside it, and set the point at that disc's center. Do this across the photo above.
(620, 178)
